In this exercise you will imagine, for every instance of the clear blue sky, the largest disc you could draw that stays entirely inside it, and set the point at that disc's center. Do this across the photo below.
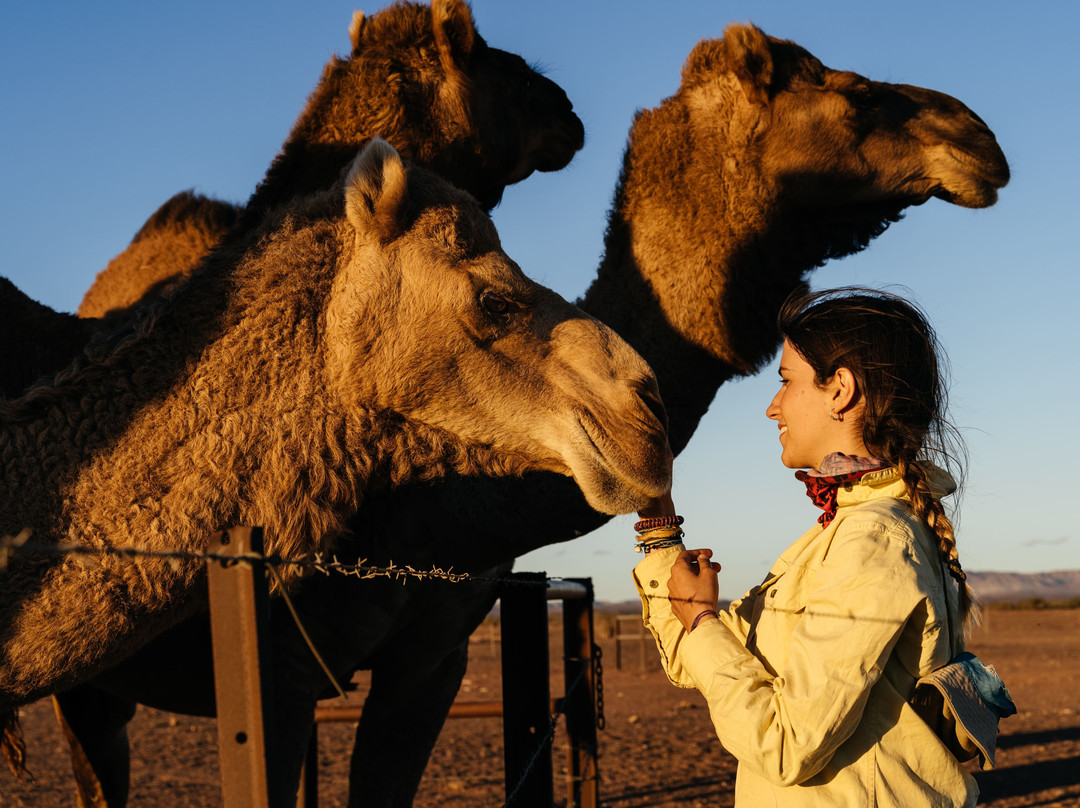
(108, 109)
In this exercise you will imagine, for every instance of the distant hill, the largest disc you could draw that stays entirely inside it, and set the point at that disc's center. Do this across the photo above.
(997, 586)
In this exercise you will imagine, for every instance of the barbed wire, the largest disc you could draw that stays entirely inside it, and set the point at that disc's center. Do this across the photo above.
(316, 562)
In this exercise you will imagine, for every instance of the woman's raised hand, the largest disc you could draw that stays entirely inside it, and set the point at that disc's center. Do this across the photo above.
(693, 587)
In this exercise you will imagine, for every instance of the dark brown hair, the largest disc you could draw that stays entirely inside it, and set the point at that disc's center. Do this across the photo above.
(892, 351)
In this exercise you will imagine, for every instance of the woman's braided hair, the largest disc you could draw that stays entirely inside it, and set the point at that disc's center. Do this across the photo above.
(892, 351)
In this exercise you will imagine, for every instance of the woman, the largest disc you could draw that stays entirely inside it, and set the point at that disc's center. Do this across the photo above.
(809, 677)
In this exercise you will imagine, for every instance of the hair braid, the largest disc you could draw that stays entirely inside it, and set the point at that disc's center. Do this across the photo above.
(929, 509)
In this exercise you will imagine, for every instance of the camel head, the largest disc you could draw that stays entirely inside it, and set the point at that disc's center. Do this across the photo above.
(431, 323)
(425, 81)
(764, 165)
(855, 151)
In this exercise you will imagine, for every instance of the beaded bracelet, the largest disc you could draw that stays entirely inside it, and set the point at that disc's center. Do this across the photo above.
(657, 521)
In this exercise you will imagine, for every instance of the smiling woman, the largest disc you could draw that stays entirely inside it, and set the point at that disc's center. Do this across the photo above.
(810, 677)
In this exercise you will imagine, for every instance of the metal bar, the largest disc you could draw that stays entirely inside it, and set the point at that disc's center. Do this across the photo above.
(526, 693)
(565, 589)
(334, 714)
(582, 773)
(239, 612)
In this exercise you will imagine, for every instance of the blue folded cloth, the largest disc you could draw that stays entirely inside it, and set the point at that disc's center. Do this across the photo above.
(987, 683)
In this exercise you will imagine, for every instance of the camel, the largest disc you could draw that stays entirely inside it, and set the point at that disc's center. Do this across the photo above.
(423, 79)
(58, 338)
(764, 165)
(365, 336)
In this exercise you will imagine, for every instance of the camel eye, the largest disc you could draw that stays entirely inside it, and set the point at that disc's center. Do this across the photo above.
(494, 303)
(862, 97)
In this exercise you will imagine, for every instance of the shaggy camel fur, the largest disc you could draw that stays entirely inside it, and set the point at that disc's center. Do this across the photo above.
(364, 336)
(762, 166)
(422, 79)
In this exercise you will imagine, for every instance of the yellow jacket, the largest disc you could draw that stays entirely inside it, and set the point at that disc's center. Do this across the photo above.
(808, 676)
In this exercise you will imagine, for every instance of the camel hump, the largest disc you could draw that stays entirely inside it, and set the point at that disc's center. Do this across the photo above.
(188, 210)
(375, 189)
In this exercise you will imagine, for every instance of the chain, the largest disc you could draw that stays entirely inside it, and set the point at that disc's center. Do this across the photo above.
(598, 666)
(546, 740)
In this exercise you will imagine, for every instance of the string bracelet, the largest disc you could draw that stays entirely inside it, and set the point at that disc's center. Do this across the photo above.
(702, 616)
(659, 538)
(657, 521)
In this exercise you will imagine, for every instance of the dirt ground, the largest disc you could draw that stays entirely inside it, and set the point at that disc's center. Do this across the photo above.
(657, 748)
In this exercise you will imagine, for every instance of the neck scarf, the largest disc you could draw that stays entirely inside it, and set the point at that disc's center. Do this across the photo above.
(836, 469)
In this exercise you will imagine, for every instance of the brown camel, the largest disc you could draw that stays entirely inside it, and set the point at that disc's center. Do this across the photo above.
(366, 335)
(56, 339)
(762, 166)
(422, 79)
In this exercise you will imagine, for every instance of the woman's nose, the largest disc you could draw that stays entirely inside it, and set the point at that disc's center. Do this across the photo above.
(773, 410)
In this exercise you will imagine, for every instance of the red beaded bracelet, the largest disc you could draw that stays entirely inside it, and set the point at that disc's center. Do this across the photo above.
(657, 521)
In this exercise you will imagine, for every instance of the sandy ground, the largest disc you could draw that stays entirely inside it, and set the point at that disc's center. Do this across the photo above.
(657, 748)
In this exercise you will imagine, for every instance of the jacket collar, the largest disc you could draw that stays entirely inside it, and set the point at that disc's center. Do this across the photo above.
(888, 483)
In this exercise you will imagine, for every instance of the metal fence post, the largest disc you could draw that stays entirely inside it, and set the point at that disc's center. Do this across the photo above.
(583, 776)
(239, 612)
(526, 691)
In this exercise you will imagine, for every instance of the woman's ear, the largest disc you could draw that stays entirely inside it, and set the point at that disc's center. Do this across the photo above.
(845, 391)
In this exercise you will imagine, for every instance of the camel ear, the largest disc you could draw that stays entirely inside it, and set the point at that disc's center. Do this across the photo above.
(356, 30)
(749, 58)
(375, 191)
(455, 32)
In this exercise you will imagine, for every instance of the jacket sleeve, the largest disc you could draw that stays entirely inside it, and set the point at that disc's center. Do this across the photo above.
(786, 726)
(651, 579)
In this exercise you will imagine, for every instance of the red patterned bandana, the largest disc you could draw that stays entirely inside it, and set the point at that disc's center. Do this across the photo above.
(822, 488)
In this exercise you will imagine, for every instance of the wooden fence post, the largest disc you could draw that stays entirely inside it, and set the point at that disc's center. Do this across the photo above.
(239, 612)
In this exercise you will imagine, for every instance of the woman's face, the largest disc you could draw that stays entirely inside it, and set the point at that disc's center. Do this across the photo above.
(802, 410)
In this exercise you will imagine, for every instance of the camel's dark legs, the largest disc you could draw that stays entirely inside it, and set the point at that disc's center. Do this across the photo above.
(402, 718)
(95, 725)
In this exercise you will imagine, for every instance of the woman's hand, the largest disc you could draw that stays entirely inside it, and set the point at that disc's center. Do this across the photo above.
(693, 587)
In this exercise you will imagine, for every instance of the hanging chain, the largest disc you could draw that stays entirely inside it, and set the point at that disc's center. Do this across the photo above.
(598, 666)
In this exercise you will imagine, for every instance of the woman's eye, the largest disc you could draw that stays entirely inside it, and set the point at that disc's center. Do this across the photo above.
(494, 303)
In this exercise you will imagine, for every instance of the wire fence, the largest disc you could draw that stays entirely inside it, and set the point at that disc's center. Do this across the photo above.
(23, 544)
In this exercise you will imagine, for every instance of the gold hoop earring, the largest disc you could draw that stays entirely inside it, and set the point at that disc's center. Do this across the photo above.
(835, 417)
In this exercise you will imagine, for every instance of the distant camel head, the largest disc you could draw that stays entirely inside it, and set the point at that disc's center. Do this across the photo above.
(835, 137)
(432, 321)
(426, 82)
(419, 77)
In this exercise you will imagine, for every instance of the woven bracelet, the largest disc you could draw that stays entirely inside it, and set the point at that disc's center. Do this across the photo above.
(648, 546)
